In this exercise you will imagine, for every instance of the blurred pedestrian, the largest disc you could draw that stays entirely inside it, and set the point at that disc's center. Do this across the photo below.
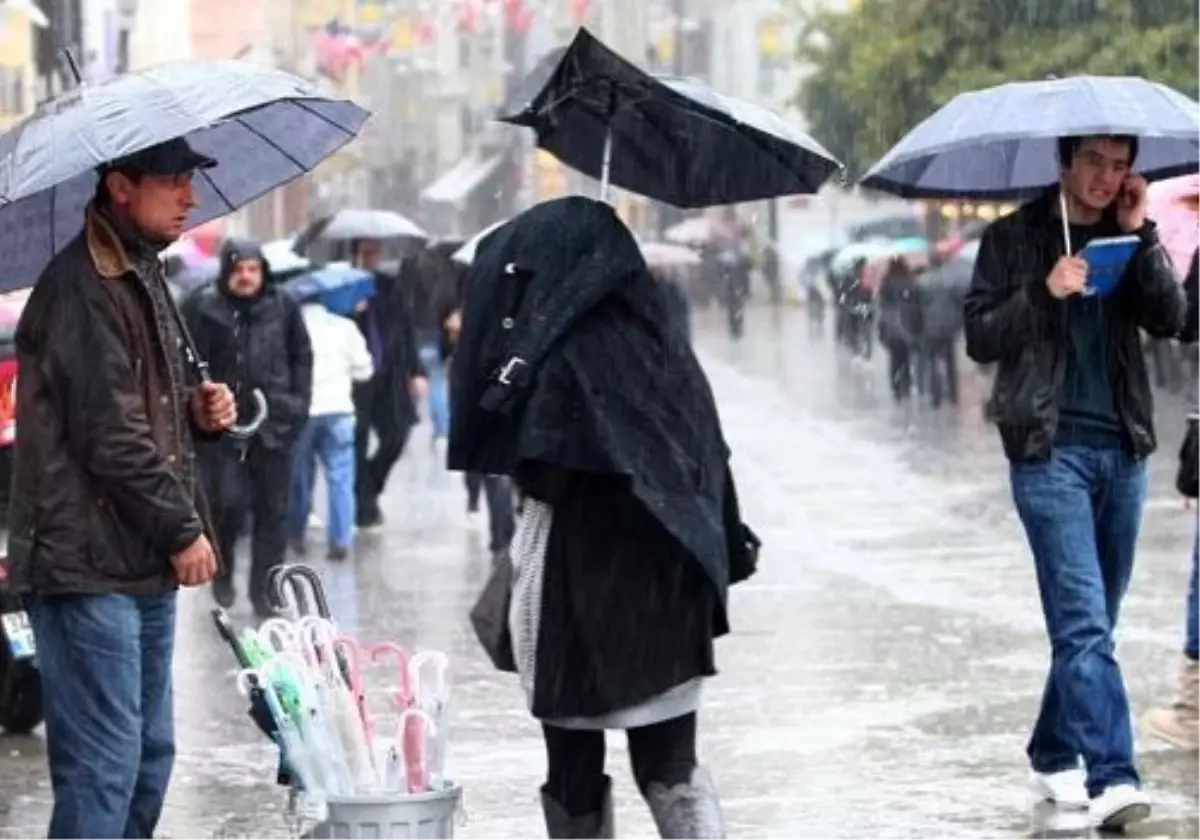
(386, 404)
(340, 360)
(106, 517)
(900, 327)
(254, 338)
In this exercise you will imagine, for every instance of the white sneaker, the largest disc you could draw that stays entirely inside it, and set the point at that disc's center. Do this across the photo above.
(1066, 788)
(1119, 806)
(314, 522)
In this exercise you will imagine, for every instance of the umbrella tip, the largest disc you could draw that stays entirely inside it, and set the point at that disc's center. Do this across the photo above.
(74, 67)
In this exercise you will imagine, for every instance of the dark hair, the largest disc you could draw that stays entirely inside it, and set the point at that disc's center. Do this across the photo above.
(1067, 146)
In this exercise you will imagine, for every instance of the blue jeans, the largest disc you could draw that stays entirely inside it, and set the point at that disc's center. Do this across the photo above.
(329, 439)
(439, 391)
(105, 663)
(1081, 510)
(1191, 635)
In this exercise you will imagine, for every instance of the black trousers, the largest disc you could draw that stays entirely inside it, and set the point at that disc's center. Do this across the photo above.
(662, 752)
(499, 494)
(380, 408)
(900, 370)
(257, 485)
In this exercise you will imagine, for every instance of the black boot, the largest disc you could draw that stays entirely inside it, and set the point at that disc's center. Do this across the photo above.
(560, 824)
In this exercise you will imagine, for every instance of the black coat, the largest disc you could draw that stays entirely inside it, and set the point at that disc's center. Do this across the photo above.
(400, 361)
(1011, 318)
(608, 416)
(260, 343)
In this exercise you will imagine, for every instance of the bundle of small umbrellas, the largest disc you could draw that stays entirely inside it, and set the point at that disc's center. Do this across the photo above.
(304, 680)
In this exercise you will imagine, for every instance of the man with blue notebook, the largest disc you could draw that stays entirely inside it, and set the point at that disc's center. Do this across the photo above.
(1073, 404)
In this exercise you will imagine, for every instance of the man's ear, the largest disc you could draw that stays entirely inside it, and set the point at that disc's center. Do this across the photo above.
(118, 185)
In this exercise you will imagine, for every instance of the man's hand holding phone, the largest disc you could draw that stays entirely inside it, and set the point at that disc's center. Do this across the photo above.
(1132, 202)
(1069, 277)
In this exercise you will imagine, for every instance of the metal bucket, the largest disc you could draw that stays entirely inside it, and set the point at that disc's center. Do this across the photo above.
(424, 815)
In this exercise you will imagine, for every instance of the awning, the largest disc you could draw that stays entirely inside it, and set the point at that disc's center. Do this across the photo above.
(464, 178)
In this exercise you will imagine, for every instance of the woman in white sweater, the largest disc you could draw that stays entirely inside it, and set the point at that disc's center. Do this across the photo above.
(340, 359)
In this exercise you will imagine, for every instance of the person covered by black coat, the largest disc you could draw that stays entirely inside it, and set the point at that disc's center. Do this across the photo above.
(387, 403)
(253, 336)
(900, 326)
(573, 376)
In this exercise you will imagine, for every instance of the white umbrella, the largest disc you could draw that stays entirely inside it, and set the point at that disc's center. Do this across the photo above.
(699, 230)
(466, 254)
(666, 255)
(282, 259)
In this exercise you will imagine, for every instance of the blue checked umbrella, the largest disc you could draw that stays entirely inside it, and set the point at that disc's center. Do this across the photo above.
(264, 127)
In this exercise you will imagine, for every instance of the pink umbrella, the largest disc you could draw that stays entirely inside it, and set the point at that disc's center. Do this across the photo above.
(1175, 207)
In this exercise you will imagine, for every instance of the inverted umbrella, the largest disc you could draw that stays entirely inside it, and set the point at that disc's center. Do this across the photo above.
(264, 128)
(465, 255)
(350, 224)
(668, 138)
(1002, 142)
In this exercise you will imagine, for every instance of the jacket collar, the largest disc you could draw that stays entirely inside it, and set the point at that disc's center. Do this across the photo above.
(107, 252)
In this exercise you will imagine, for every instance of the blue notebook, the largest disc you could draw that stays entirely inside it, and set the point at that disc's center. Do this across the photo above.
(1107, 260)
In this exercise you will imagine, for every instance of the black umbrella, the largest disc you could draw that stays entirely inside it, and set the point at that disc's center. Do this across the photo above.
(668, 138)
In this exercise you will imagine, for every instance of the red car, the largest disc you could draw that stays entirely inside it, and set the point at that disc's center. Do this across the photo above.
(10, 313)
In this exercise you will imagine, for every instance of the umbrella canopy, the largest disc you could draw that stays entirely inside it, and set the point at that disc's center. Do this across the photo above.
(844, 260)
(264, 128)
(666, 255)
(339, 287)
(350, 224)
(1175, 208)
(282, 259)
(466, 254)
(699, 231)
(668, 138)
(1002, 143)
(189, 277)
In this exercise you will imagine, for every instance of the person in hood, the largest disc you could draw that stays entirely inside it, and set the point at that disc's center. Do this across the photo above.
(1073, 404)
(573, 377)
(386, 404)
(253, 336)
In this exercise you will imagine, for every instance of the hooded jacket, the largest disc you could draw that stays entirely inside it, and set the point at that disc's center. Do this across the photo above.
(259, 342)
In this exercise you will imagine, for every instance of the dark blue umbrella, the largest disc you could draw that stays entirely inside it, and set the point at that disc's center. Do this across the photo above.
(264, 127)
(339, 288)
(668, 138)
(1001, 143)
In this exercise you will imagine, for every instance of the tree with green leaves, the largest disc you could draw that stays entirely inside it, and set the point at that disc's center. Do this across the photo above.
(882, 66)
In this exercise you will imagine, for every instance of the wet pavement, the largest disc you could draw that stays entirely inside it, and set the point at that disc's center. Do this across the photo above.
(885, 664)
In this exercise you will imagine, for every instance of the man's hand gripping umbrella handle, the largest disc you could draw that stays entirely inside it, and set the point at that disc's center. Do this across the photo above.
(238, 431)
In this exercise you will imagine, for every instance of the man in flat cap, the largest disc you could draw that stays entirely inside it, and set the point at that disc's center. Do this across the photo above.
(106, 521)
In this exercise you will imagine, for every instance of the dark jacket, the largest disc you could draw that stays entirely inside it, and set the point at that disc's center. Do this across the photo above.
(608, 417)
(1011, 318)
(387, 326)
(941, 291)
(104, 490)
(899, 308)
(258, 342)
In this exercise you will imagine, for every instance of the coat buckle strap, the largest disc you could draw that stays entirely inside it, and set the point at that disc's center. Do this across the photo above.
(510, 367)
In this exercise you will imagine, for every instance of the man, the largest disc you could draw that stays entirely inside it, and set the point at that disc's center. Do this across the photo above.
(106, 521)
(253, 337)
(1073, 403)
(340, 360)
(387, 403)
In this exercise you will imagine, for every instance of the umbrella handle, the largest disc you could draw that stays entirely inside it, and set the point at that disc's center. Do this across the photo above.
(238, 431)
